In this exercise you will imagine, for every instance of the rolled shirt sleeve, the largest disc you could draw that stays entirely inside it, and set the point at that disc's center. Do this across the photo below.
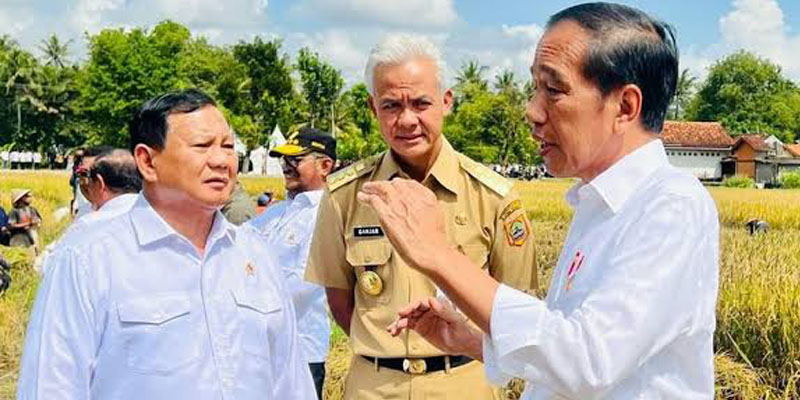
(64, 330)
(643, 299)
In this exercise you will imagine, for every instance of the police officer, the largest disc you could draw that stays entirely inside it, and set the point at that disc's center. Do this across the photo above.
(168, 300)
(307, 159)
(366, 281)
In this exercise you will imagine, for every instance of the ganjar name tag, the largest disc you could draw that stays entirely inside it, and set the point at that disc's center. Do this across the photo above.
(368, 231)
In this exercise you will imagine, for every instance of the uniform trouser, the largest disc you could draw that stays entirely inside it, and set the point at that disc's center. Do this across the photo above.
(318, 374)
(467, 382)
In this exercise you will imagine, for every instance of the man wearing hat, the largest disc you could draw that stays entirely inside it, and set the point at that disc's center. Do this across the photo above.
(307, 159)
(24, 219)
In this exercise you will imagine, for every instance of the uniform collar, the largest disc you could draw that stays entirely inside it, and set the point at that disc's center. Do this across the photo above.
(444, 170)
(614, 186)
(149, 227)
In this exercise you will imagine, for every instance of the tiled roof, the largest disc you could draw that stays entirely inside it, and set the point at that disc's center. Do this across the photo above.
(755, 141)
(793, 149)
(696, 134)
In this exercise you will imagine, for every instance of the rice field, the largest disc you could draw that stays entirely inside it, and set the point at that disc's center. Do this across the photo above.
(758, 319)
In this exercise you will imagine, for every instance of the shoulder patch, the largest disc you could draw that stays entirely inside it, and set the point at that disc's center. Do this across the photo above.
(350, 173)
(486, 176)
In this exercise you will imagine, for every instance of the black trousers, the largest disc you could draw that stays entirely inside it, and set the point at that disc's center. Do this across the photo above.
(318, 373)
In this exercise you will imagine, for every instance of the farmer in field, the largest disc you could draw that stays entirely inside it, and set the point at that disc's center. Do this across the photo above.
(367, 281)
(307, 159)
(169, 300)
(630, 313)
(23, 220)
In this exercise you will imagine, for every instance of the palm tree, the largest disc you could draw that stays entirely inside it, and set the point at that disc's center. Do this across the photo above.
(506, 82)
(684, 89)
(472, 72)
(55, 51)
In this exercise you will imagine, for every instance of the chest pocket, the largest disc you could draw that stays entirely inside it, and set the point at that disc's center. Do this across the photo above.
(160, 333)
(255, 310)
(371, 256)
(477, 253)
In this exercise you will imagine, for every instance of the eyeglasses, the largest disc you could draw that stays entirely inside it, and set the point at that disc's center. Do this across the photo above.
(295, 161)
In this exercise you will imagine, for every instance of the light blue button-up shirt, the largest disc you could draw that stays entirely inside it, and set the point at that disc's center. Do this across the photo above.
(288, 227)
(133, 311)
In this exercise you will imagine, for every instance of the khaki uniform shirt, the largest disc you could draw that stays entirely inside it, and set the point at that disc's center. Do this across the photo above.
(485, 221)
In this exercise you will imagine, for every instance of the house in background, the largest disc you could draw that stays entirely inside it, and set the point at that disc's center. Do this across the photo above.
(763, 158)
(699, 148)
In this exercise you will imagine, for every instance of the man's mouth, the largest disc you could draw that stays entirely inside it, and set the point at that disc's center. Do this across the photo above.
(219, 182)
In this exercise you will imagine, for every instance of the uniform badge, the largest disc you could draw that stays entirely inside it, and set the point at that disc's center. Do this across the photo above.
(576, 264)
(370, 283)
(517, 230)
(368, 231)
(510, 209)
(249, 269)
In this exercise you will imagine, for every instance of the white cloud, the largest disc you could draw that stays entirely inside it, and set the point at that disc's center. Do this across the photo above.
(15, 18)
(345, 50)
(759, 26)
(408, 13)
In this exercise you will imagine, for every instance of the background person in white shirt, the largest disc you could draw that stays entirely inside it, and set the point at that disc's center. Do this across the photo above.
(630, 309)
(170, 300)
(307, 159)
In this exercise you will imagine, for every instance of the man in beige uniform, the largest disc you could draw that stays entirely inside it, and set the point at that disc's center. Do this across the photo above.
(365, 281)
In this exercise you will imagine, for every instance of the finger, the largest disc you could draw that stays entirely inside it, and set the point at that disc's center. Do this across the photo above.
(415, 307)
(397, 327)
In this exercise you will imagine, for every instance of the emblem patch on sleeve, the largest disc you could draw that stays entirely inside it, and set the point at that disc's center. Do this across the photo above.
(517, 230)
(510, 209)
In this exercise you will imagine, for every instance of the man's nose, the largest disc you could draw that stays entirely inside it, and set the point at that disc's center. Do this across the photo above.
(408, 118)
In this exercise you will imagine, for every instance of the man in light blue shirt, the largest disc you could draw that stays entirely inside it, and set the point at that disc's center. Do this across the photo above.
(307, 159)
(169, 300)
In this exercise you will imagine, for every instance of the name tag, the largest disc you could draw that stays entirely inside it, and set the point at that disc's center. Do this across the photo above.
(367, 231)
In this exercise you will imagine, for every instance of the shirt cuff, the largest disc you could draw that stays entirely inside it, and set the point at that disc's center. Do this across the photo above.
(491, 364)
(515, 321)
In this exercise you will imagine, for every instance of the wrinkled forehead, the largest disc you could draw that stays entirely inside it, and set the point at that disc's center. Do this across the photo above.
(206, 121)
(416, 76)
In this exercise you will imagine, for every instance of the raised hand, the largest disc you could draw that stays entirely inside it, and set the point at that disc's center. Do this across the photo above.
(440, 324)
(412, 219)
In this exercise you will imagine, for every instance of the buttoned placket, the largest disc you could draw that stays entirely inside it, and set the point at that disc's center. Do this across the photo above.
(213, 303)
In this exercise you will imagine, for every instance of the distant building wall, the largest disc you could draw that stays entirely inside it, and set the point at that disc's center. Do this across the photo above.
(704, 164)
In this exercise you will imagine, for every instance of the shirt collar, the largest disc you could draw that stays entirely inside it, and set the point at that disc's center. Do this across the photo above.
(310, 197)
(118, 202)
(444, 169)
(149, 227)
(618, 183)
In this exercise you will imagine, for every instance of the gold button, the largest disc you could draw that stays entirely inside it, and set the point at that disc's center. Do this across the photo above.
(370, 283)
(461, 219)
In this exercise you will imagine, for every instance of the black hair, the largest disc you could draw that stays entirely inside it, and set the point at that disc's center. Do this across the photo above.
(119, 171)
(96, 151)
(628, 47)
(149, 123)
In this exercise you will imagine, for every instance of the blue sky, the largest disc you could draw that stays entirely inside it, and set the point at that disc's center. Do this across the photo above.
(499, 33)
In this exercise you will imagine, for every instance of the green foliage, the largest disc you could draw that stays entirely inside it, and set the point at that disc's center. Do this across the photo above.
(790, 180)
(748, 94)
(490, 126)
(322, 84)
(361, 137)
(739, 181)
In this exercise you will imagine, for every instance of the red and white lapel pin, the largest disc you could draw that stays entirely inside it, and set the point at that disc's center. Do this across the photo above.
(576, 264)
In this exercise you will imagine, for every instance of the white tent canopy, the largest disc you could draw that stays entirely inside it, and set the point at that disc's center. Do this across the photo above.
(262, 163)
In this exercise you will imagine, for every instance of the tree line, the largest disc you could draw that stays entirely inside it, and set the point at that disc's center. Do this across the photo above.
(52, 105)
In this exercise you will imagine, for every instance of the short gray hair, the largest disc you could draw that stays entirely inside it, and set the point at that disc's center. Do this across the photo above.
(399, 47)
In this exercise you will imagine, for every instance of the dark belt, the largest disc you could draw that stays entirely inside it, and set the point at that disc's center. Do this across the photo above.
(417, 366)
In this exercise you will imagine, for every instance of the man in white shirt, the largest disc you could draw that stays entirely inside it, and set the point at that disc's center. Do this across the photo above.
(307, 159)
(111, 184)
(630, 313)
(169, 300)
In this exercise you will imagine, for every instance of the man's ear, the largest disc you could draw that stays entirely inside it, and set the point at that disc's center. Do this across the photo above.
(327, 167)
(629, 100)
(145, 162)
(447, 100)
(371, 104)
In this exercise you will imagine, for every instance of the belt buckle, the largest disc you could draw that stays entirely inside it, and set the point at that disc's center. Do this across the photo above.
(414, 366)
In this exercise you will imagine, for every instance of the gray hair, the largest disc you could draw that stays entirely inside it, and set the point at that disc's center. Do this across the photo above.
(399, 47)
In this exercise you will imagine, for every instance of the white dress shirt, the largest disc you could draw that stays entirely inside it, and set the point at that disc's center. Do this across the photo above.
(133, 311)
(112, 208)
(630, 310)
(288, 227)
